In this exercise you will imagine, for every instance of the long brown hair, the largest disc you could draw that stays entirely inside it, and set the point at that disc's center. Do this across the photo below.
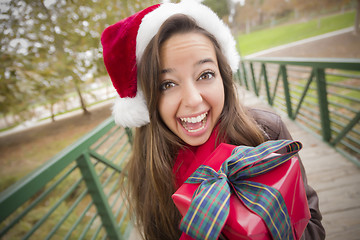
(150, 176)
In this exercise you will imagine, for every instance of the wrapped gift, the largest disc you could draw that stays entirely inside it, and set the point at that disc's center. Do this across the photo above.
(253, 194)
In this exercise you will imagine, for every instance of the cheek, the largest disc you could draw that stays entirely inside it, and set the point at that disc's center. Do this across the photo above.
(217, 97)
(167, 110)
(161, 108)
(220, 102)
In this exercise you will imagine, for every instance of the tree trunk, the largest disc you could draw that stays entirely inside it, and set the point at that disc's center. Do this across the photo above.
(357, 19)
(52, 112)
(82, 102)
(319, 15)
(296, 13)
(64, 103)
(248, 26)
(261, 17)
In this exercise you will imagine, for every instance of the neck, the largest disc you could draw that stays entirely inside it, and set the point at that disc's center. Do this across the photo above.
(190, 158)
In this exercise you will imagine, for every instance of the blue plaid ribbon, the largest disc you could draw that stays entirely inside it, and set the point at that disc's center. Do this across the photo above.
(209, 208)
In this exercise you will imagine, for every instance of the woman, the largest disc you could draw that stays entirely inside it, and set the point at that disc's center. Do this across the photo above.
(178, 90)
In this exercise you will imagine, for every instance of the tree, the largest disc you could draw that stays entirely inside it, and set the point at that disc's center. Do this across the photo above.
(221, 8)
(248, 15)
(53, 47)
(357, 18)
(15, 91)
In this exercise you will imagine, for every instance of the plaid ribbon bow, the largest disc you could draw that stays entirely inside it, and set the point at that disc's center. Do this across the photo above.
(209, 208)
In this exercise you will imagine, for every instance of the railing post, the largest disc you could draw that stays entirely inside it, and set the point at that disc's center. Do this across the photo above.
(323, 104)
(237, 77)
(286, 91)
(307, 86)
(347, 129)
(95, 190)
(267, 87)
(129, 134)
(245, 75)
(253, 79)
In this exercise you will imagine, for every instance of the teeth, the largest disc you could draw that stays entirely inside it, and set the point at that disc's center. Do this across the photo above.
(194, 119)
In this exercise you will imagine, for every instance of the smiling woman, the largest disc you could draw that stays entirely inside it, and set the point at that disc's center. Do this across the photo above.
(172, 66)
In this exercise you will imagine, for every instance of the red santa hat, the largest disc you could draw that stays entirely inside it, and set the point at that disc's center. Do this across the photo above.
(124, 44)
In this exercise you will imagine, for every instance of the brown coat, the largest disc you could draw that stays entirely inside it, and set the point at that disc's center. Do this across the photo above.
(275, 129)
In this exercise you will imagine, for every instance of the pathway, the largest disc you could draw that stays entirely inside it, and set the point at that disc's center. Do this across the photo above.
(338, 44)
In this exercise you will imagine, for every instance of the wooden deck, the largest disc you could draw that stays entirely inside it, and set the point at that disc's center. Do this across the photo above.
(335, 178)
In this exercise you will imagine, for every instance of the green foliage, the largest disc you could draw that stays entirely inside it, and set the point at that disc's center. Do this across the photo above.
(49, 48)
(14, 91)
(267, 38)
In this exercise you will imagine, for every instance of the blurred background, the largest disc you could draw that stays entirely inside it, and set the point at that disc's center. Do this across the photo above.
(54, 87)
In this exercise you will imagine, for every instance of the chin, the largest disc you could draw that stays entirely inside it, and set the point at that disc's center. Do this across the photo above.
(196, 141)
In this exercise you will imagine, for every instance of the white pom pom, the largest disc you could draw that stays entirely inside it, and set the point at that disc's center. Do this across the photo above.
(131, 112)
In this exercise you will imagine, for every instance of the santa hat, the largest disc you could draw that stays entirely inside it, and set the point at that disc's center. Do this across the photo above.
(124, 44)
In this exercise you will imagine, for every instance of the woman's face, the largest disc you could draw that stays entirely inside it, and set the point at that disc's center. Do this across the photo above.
(192, 91)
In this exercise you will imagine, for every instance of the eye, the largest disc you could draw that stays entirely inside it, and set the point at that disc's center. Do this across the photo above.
(166, 85)
(207, 75)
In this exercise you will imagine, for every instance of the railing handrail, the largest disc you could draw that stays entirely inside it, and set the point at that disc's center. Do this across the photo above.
(338, 63)
(29, 185)
(99, 188)
(333, 131)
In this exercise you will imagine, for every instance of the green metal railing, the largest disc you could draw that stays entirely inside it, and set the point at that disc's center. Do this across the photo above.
(75, 195)
(322, 94)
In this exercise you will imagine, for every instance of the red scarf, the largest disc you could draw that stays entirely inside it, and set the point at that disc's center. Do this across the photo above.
(190, 158)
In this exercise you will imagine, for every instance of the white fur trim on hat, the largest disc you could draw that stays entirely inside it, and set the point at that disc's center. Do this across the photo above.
(131, 112)
(203, 16)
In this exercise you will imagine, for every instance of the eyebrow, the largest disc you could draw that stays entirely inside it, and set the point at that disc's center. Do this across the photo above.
(206, 60)
(167, 70)
(202, 61)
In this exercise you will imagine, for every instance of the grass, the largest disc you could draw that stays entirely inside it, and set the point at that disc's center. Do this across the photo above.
(10, 127)
(272, 37)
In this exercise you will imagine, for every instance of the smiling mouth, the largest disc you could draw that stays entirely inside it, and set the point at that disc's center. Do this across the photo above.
(194, 124)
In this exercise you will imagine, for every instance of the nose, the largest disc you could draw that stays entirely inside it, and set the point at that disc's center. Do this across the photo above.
(191, 95)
